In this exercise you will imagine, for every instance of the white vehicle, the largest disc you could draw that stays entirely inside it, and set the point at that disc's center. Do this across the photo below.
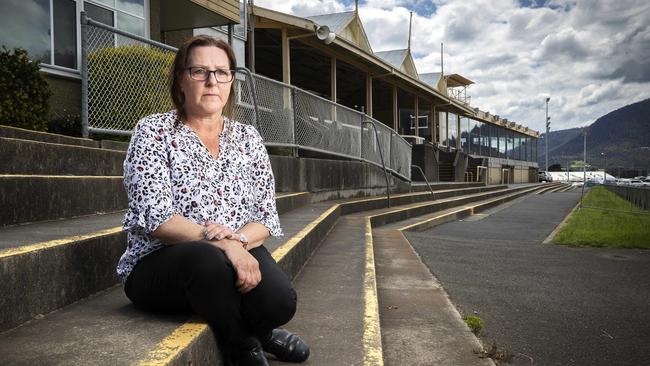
(623, 182)
(636, 182)
(544, 176)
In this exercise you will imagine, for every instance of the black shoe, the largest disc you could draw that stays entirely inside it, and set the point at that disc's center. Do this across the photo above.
(286, 346)
(251, 356)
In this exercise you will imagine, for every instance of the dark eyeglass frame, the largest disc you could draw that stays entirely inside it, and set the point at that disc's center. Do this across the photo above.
(209, 72)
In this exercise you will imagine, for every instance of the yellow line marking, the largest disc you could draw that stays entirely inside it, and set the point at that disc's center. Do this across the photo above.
(373, 353)
(57, 242)
(285, 248)
(180, 338)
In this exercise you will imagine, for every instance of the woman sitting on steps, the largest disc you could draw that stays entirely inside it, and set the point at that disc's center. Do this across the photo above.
(201, 203)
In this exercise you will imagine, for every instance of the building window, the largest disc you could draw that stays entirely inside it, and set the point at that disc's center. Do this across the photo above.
(47, 29)
(453, 130)
(127, 15)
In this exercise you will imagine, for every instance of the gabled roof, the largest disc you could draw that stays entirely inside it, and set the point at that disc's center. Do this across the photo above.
(346, 25)
(336, 22)
(431, 78)
(400, 59)
(393, 57)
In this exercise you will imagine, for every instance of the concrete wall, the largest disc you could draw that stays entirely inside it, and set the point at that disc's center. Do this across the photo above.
(331, 178)
(66, 95)
(519, 170)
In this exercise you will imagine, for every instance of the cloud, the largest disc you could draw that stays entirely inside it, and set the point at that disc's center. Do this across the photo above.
(589, 56)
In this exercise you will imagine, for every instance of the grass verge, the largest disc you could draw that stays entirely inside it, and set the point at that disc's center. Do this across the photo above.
(606, 225)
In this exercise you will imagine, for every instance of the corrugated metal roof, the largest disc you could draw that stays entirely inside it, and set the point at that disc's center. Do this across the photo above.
(393, 57)
(431, 78)
(336, 22)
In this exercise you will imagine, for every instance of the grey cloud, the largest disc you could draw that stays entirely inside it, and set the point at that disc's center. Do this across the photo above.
(632, 71)
(564, 44)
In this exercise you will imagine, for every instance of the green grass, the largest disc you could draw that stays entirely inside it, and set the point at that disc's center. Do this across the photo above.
(601, 228)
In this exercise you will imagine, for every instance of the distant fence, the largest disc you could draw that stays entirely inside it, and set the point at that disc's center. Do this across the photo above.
(638, 196)
(124, 78)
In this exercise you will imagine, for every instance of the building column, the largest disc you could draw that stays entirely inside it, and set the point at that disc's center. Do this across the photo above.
(286, 62)
(286, 69)
(417, 116)
(333, 86)
(395, 112)
(434, 130)
(369, 95)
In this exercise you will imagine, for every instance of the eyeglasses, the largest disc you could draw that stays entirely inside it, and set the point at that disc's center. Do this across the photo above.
(202, 74)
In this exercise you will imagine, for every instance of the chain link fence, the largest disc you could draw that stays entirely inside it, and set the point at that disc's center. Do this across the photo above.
(611, 197)
(125, 77)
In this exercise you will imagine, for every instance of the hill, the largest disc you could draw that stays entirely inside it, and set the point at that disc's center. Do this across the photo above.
(623, 135)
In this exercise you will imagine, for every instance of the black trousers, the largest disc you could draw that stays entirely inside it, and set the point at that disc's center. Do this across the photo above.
(198, 277)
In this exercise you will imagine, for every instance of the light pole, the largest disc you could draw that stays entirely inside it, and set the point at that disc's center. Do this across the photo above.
(584, 163)
(548, 129)
(605, 171)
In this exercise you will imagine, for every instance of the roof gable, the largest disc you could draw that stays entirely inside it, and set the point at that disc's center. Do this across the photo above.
(400, 59)
(346, 25)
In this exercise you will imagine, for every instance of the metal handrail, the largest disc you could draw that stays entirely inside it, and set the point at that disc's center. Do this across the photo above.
(251, 85)
(425, 178)
(478, 173)
(381, 156)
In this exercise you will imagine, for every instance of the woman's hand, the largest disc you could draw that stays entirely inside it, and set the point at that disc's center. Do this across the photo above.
(246, 266)
(213, 231)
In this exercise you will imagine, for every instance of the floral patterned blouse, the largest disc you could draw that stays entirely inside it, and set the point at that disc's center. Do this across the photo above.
(168, 170)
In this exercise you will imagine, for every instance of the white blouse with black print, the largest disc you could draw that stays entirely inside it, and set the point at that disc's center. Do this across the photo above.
(168, 170)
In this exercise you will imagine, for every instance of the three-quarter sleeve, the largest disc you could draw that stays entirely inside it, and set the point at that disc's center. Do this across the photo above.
(264, 209)
(146, 179)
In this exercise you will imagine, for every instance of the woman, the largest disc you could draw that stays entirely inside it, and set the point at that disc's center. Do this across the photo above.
(201, 203)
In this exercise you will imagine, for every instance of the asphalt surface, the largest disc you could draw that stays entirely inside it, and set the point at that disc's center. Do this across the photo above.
(542, 303)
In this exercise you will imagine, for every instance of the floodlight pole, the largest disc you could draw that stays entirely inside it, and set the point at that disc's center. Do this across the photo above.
(548, 128)
(605, 171)
(584, 163)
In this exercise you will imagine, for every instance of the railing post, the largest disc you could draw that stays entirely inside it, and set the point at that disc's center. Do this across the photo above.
(251, 87)
(294, 104)
(425, 179)
(381, 156)
(84, 76)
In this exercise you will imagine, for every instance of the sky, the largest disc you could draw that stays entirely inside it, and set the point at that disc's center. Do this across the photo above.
(590, 57)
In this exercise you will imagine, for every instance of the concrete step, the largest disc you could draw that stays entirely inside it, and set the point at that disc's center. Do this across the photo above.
(36, 157)
(549, 187)
(19, 133)
(192, 341)
(419, 324)
(31, 198)
(421, 186)
(47, 265)
(305, 226)
(467, 206)
(407, 292)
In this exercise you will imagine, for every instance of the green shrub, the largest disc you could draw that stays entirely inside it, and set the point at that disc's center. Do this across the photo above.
(475, 324)
(24, 92)
(127, 83)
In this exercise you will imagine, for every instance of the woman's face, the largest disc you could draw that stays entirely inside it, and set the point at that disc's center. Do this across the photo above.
(205, 98)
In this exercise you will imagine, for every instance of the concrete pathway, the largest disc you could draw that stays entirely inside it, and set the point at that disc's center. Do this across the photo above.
(543, 303)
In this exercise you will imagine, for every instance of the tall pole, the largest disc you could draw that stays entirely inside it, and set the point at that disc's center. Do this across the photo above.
(548, 128)
(605, 171)
(584, 163)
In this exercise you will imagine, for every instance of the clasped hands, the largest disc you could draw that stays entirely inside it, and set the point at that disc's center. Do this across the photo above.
(245, 265)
